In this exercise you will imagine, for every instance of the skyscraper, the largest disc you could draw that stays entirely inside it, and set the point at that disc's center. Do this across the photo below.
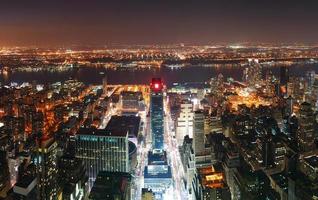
(184, 122)
(306, 131)
(156, 113)
(198, 133)
(157, 173)
(283, 75)
(283, 78)
(102, 150)
(46, 162)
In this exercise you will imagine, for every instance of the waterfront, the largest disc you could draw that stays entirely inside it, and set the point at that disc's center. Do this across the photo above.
(90, 75)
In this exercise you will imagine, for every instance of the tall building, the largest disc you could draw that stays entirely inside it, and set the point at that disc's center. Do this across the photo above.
(105, 84)
(4, 174)
(314, 93)
(198, 133)
(266, 151)
(306, 131)
(72, 178)
(184, 122)
(102, 150)
(46, 164)
(254, 72)
(157, 173)
(157, 113)
(283, 75)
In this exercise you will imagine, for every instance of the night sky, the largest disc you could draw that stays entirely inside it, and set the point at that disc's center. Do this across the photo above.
(96, 22)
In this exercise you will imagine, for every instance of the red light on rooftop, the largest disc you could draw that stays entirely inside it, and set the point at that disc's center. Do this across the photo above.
(156, 84)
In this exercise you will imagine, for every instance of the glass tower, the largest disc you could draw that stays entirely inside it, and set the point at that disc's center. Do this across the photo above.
(156, 113)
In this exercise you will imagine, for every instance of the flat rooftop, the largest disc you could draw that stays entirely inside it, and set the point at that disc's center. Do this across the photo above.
(118, 124)
(164, 175)
(101, 132)
(157, 158)
(212, 176)
(110, 185)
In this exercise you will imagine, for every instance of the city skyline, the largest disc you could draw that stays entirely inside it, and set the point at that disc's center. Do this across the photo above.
(98, 22)
(158, 100)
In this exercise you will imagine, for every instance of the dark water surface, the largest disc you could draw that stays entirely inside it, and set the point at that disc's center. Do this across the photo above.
(91, 75)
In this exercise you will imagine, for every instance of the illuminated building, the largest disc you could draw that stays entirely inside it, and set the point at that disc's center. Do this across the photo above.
(102, 150)
(230, 164)
(283, 79)
(130, 101)
(251, 184)
(105, 84)
(254, 73)
(202, 152)
(184, 122)
(37, 122)
(209, 183)
(314, 93)
(188, 162)
(46, 164)
(111, 185)
(266, 151)
(156, 113)
(306, 131)
(310, 76)
(157, 174)
(16, 126)
(72, 178)
(131, 125)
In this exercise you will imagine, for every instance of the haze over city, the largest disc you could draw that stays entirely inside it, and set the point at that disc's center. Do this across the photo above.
(47, 23)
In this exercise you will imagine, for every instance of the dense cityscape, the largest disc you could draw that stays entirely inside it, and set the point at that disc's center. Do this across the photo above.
(158, 100)
(221, 138)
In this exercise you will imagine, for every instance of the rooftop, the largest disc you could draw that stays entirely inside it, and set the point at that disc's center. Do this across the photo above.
(124, 124)
(212, 176)
(110, 185)
(101, 132)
